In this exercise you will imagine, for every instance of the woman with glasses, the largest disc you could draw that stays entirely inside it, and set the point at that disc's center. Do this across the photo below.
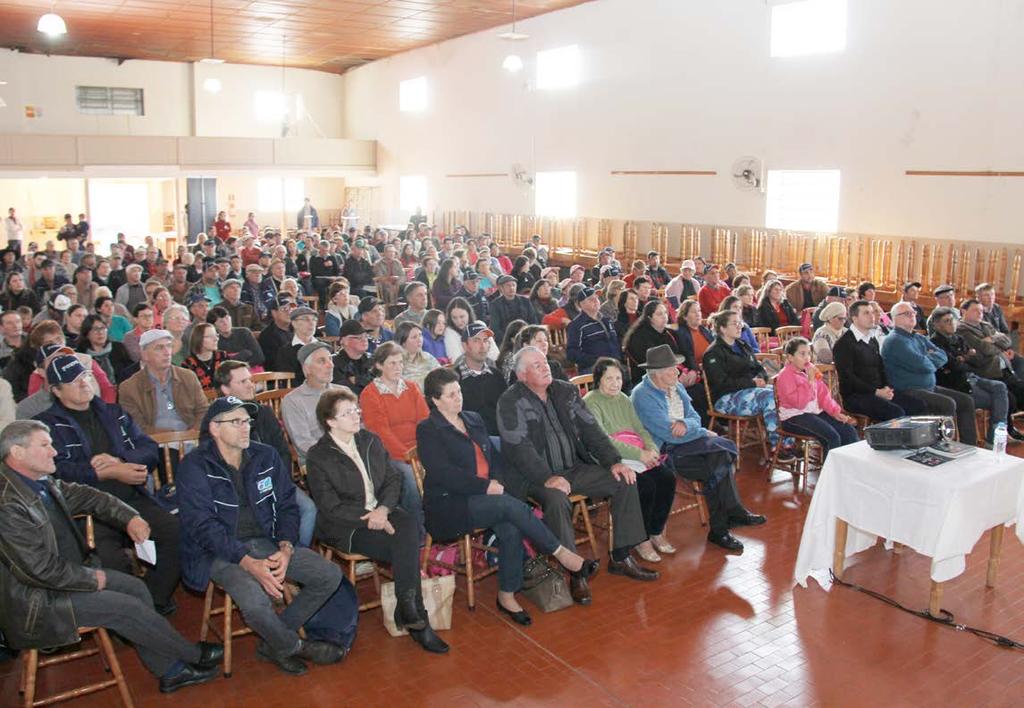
(356, 491)
(111, 356)
(833, 317)
(205, 357)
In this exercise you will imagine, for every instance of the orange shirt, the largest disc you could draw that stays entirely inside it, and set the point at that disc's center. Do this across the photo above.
(483, 470)
(700, 345)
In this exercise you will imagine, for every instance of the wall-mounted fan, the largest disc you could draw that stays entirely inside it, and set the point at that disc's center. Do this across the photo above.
(521, 176)
(748, 174)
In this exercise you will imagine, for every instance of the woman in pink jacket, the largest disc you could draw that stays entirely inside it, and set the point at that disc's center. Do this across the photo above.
(806, 406)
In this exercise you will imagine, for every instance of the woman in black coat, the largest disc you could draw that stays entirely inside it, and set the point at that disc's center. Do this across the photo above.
(356, 492)
(111, 356)
(772, 302)
(462, 491)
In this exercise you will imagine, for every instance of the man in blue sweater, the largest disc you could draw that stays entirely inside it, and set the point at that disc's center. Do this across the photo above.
(590, 335)
(911, 361)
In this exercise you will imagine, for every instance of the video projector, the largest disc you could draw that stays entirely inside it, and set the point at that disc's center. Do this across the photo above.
(909, 433)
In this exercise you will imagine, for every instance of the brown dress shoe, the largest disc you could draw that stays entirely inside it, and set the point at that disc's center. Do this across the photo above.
(631, 569)
(579, 588)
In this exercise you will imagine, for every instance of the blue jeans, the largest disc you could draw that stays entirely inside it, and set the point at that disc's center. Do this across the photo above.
(830, 432)
(511, 520)
(410, 499)
(991, 395)
(752, 401)
(307, 517)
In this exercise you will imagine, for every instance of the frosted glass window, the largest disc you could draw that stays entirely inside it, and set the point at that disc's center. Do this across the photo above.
(558, 68)
(808, 27)
(276, 194)
(412, 193)
(118, 207)
(555, 194)
(803, 200)
(412, 95)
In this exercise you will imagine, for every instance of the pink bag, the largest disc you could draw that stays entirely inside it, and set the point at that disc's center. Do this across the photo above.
(629, 437)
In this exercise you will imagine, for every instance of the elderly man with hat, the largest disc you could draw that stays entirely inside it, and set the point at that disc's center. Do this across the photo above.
(371, 315)
(590, 335)
(162, 397)
(353, 367)
(683, 285)
(474, 295)
(239, 527)
(242, 313)
(713, 291)
(359, 270)
(945, 296)
(604, 258)
(807, 290)
(99, 444)
(910, 293)
(696, 453)
(252, 293)
(303, 322)
(298, 408)
(278, 333)
(56, 306)
(508, 306)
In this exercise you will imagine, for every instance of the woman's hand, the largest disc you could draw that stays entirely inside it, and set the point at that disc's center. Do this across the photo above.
(495, 487)
(650, 457)
(688, 378)
(377, 520)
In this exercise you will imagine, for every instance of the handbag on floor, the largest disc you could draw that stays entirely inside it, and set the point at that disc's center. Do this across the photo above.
(545, 585)
(438, 596)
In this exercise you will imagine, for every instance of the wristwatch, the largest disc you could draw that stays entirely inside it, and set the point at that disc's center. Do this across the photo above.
(286, 544)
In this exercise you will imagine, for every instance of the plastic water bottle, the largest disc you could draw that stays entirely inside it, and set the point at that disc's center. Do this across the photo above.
(999, 440)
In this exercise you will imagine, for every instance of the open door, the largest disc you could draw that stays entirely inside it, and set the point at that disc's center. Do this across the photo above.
(201, 208)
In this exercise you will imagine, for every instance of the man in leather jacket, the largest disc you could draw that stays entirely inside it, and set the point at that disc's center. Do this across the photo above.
(51, 584)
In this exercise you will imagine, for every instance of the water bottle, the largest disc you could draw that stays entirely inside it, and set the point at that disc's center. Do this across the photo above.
(999, 440)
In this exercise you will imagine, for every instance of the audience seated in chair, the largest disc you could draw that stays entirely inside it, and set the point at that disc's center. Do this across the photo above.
(863, 383)
(298, 408)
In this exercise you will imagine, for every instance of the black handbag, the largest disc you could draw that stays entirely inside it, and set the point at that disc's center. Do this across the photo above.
(545, 585)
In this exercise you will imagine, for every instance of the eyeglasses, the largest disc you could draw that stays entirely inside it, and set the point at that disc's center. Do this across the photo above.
(350, 411)
(237, 422)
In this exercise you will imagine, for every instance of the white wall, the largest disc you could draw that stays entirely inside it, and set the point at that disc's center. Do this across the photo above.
(688, 84)
(48, 84)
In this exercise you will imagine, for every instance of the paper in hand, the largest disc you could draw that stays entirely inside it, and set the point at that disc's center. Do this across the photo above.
(146, 551)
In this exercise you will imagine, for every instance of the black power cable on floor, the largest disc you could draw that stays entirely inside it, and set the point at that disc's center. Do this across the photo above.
(945, 616)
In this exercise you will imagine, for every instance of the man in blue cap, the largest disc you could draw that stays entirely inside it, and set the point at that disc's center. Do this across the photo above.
(590, 335)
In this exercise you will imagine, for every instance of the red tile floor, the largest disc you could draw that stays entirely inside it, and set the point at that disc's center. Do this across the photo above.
(716, 630)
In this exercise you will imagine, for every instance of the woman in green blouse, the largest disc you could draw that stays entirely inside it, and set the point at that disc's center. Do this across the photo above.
(656, 483)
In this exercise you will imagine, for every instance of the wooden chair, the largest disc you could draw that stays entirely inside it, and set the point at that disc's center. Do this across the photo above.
(739, 425)
(806, 444)
(273, 398)
(464, 564)
(769, 357)
(762, 334)
(350, 563)
(226, 633)
(785, 334)
(211, 394)
(982, 421)
(173, 440)
(279, 379)
(333, 340)
(31, 664)
(693, 492)
(585, 382)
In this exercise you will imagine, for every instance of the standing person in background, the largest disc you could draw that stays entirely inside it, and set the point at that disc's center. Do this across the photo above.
(222, 227)
(307, 210)
(15, 231)
(250, 226)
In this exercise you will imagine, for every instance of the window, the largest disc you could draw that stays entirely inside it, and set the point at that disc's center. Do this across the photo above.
(412, 193)
(276, 194)
(270, 106)
(109, 101)
(558, 68)
(412, 95)
(803, 200)
(808, 27)
(555, 194)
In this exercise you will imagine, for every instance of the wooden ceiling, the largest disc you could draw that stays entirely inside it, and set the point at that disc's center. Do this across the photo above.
(330, 35)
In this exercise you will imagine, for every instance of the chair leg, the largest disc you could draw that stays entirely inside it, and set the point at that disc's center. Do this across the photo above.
(702, 503)
(467, 551)
(207, 609)
(28, 676)
(107, 650)
(228, 610)
(428, 542)
(588, 526)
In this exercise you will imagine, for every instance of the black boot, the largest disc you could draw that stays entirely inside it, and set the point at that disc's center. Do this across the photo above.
(407, 612)
(426, 637)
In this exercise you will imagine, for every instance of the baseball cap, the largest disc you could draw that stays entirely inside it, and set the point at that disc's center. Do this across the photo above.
(836, 291)
(224, 405)
(806, 266)
(368, 303)
(908, 286)
(505, 279)
(231, 281)
(60, 302)
(281, 301)
(943, 289)
(209, 242)
(610, 271)
(471, 275)
(64, 369)
(476, 328)
(350, 328)
(48, 350)
(197, 297)
(209, 264)
(153, 335)
(360, 243)
(576, 267)
(710, 267)
(306, 349)
(688, 264)
(302, 311)
(585, 293)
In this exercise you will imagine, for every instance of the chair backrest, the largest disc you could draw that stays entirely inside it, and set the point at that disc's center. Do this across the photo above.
(412, 456)
(273, 399)
(311, 301)
(556, 337)
(211, 394)
(333, 340)
(585, 382)
(181, 441)
(786, 333)
(707, 389)
(768, 357)
(831, 377)
(279, 379)
(761, 334)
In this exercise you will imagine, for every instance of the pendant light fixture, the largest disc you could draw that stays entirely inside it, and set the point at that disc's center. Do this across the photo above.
(513, 62)
(51, 24)
(211, 84)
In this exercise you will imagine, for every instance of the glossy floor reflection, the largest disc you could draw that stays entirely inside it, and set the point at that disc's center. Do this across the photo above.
(716, 630)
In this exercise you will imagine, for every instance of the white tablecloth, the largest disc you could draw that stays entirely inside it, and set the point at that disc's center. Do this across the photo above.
(940, 512)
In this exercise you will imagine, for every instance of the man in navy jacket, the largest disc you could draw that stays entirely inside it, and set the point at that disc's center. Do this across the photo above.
(240, 523)
(99, 444)
(590, 335)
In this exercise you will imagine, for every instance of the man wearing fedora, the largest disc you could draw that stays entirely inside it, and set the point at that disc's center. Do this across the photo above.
(697, 454)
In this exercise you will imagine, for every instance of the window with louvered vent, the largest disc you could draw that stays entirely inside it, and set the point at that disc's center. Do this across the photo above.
(109, 101)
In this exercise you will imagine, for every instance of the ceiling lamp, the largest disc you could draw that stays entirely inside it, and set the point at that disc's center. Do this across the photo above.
(212, 85)
(512, 63)
(52, 25)
(512, 34)
(211, 59)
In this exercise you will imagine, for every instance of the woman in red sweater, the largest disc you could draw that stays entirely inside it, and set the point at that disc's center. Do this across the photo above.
(392, 408)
